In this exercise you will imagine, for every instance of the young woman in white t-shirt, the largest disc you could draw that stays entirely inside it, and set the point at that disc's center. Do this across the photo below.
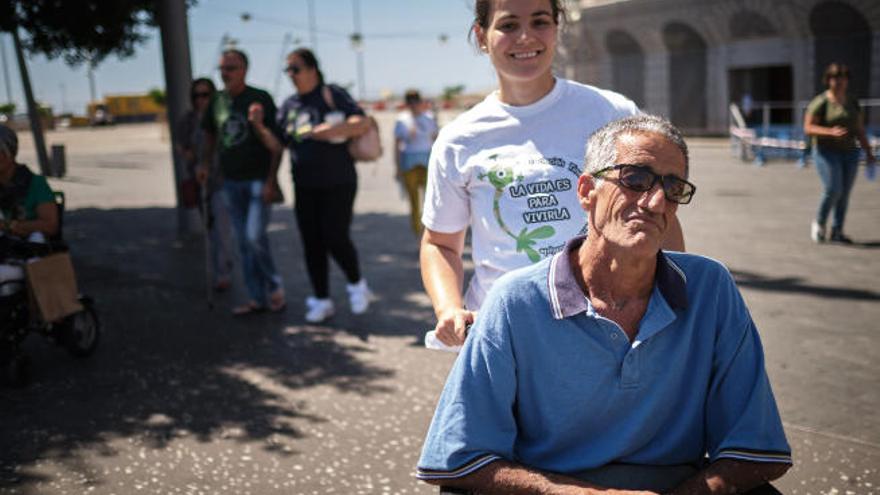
(508, 168)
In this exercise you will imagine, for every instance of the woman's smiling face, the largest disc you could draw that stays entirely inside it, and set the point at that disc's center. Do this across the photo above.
(520, 39)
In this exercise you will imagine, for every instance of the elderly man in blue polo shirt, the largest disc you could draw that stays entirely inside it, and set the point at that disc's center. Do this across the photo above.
(613, 365)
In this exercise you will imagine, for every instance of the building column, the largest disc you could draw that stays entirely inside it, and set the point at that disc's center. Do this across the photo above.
(716, 90)
(657, 83)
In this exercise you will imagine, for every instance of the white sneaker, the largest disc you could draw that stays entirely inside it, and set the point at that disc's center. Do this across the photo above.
(817, 232)
(359, 297)
(318, 310)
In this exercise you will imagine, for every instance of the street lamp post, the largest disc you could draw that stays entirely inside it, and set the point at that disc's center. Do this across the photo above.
(313, 32)
(357, 43)
(288, 38)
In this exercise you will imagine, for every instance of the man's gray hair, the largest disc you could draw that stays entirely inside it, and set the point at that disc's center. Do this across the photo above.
(8, 142)
(601, 149)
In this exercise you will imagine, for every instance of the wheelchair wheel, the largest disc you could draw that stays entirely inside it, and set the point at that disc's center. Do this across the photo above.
(81, 332)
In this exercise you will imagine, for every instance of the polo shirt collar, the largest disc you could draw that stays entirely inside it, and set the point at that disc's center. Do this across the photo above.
(568, 299)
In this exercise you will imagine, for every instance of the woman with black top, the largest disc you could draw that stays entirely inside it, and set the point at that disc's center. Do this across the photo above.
(316, 123)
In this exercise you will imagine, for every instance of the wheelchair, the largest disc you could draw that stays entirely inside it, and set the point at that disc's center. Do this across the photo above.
(79, 332)
(765, 489)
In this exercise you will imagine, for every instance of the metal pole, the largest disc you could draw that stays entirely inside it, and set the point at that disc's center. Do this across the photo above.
(765, 117)
(33, 111)
(282, 58)
(172, 20)
(5, 70)
(359, 50)
(313, 29)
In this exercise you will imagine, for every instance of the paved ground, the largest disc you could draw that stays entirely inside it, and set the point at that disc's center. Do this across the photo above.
(180, 399)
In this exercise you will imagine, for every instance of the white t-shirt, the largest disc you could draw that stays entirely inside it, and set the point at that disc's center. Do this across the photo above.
(510, 174)
(416, 132)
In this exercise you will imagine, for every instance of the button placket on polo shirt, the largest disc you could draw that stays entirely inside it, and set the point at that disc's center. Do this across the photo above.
(630, 369)
(627, 355)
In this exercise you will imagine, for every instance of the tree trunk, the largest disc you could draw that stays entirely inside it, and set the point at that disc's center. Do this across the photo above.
(33, 111)
(172, 17)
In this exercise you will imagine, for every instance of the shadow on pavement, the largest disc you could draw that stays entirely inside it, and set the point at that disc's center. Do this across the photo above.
(168, 367)
(795, 285)
(867, 244)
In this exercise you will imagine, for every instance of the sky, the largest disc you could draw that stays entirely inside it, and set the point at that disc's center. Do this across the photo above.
(401, 49)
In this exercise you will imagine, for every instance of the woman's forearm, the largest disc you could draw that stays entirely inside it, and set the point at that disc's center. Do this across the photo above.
(866, 145)
(25, 228)
(442, 274)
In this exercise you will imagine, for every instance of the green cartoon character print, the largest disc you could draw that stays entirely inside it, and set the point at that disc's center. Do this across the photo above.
(500, 177)
(298, 124)
(234, 127)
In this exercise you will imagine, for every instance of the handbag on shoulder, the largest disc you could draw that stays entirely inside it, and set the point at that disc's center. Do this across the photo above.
(364, 148)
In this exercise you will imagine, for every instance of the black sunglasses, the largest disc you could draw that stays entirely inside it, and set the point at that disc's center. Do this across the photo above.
(295, 69)
(641, 178)
(202, 94)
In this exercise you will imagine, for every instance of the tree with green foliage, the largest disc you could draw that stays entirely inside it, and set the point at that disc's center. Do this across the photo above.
(451, 92)
(158, 96)
(87, 32)
(80, 31)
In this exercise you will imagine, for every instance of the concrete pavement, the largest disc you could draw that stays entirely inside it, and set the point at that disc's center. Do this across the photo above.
(180, 399)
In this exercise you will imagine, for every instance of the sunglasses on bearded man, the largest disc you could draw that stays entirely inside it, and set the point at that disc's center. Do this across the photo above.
(641, 178)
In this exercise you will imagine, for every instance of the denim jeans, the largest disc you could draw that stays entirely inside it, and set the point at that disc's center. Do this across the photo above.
(250, 217)
(837, 169)
(220, 236)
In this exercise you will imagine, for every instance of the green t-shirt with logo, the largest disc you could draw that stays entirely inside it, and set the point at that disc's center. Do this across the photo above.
(241, 154)
(38, 192)
(833, 114)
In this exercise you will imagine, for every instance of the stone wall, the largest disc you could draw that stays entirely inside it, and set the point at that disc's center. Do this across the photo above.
(735, 34)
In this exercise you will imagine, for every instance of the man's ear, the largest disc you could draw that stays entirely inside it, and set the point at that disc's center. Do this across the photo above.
(586, 189)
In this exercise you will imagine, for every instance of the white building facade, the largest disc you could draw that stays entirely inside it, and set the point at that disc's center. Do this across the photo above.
(688, 59)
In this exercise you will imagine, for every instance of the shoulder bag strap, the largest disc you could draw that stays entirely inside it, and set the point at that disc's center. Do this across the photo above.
(328, 97)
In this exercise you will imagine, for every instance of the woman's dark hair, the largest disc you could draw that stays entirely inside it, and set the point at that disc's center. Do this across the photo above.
(483, 13)
(310, 60)
(834, 69)
(195, 84)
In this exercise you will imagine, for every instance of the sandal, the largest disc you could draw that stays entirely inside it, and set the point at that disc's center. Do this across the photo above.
(222, 285)
(276, 301)
(248, 309)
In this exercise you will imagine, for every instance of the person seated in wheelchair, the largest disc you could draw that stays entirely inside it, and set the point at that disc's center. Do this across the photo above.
(613, 366)
(27, 203)
(27, 210)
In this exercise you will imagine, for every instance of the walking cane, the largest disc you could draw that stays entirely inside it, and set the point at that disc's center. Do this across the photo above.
(206, 218)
